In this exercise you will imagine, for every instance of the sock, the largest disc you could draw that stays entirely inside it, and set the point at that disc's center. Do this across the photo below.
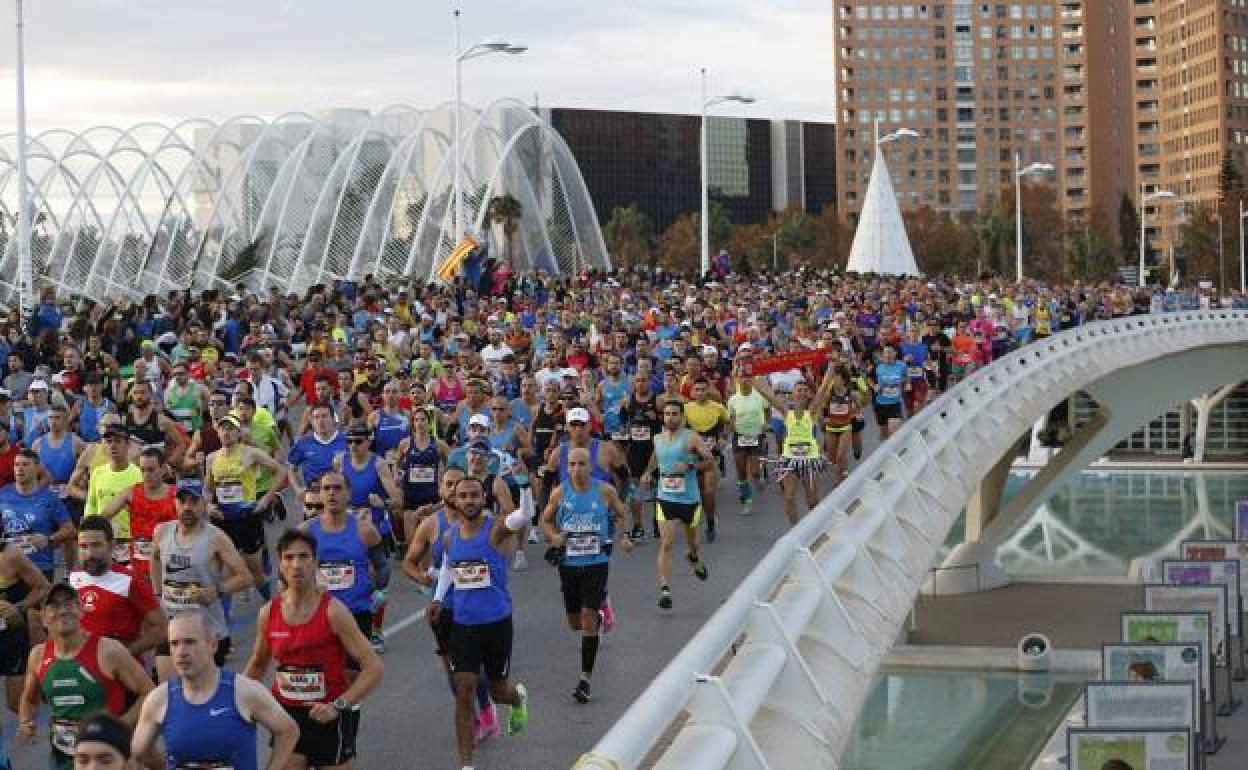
(379, 617)
(589, 653)
(483, 692)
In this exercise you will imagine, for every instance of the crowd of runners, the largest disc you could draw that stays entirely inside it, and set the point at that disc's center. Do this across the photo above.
(445, 434)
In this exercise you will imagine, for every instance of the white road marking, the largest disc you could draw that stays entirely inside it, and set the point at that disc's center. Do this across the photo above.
(402, 624)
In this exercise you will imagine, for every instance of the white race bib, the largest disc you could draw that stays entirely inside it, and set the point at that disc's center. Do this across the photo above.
(422, 474)
(839, 408)
(301, 684)
(336, 575)
(673, 484)
(620, 435)
(799, 449)
(179, 595)
(121, 551)
(916, 372)
(583, 544)
(639, 433)
(890, 391)
(64, 734)
(229, 492)
(142, 549)
(471, 575)
(746, 441)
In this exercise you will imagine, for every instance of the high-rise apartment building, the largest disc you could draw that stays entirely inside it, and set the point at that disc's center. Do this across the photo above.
(986, 85)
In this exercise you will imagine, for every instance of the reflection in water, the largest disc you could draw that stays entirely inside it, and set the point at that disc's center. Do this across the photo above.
(1101, 521)
(933, 719)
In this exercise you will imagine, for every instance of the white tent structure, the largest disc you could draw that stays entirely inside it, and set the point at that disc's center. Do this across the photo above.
(880, 243)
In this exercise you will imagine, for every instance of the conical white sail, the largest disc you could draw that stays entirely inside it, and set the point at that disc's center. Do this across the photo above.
(880, 242)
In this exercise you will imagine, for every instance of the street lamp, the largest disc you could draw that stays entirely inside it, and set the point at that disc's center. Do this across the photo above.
(484, 48)
(708, 103)
(1160, 195)
(25, 262)
(1019, 173)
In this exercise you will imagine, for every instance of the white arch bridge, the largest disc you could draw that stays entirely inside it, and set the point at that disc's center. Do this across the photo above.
(777, 676)
(292, 201)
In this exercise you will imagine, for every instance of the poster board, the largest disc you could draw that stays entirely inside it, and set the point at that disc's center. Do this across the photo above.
(1195, 598)
(1142, 704)
(1192, 572)
(1169, 627)
(1155, 663)
(1218, 550)
(1093, 748)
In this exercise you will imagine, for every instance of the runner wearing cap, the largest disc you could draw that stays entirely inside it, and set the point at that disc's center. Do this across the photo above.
(115, 603)
(116, 476)
(103, 744)
(373, 491)
(75, 673)
(87, 409)
(579, 521)
(312, 637)
(150, 503)
(195, 566)
(230, 488)
(478, 429)
(206, 440)
(606, 462)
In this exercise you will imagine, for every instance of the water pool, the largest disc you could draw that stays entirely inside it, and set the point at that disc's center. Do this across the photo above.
(947, 719)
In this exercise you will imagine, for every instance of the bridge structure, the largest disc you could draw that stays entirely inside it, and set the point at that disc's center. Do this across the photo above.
(777, 676)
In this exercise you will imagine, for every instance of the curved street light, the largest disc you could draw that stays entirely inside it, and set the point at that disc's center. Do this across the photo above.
(704, 224)
(1019, 173)
(1145, 199)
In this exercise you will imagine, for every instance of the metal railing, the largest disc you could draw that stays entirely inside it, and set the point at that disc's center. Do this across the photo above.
(776, 677)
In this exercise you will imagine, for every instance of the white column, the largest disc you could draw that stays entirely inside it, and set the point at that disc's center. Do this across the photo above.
(25, 260)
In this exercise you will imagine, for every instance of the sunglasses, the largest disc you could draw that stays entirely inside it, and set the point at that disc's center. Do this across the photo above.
(357, 441)
(325, 487)
(314, 506)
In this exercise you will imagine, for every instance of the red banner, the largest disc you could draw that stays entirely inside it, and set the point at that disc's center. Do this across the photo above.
(756, 367)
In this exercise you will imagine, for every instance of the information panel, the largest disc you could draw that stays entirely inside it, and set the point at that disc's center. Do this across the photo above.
(1091, 748)
(1142, 704)
(1153, 663)
(1241, 519)
(1194, 598)
(1186, 572)
(1169, 627)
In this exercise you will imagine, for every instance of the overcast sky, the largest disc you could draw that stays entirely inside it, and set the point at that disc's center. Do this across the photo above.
(124, 61)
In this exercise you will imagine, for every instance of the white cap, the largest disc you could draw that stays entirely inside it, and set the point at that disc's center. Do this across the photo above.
(578, 415)
(569, 372)
(37, 385)
(480, 419)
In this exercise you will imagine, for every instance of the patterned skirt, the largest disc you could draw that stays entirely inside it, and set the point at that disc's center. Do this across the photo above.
(805, 468)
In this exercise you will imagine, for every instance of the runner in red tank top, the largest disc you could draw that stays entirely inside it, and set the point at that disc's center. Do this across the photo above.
(115, 602)
(309, 635)
(150, 503)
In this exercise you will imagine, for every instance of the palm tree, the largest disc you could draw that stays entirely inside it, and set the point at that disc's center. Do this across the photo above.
(630, 236)
(505, 210)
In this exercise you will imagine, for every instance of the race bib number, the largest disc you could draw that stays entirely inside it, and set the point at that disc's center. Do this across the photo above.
(620, 435)
(673, 484)
(230, 492)
(64, 735)
(471, 575)
(839, 409)
(916, 372)
(204, 766)
(583, 544)
(799, 449)
(422, 474)
(301, 683)
(890, 391)
(747, 441)
(639, 433)
(142, 549)
(121, 551)
(179, 595)
(336, 575)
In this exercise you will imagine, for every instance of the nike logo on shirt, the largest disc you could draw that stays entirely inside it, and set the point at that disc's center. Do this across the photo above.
(218, 712)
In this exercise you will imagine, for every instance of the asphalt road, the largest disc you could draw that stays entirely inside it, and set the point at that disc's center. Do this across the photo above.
(408, 722)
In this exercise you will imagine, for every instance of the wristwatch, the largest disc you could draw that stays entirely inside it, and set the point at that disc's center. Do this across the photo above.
(340, 704)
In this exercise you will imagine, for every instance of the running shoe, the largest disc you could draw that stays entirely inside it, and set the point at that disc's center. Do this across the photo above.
(535, 537)
(665, 598)
(519, 721)
(521, 562)
(710, 533)
(487, 724)
(637, 534)
(607, 616)
(699, 567)
(581, 693)
(379, 643)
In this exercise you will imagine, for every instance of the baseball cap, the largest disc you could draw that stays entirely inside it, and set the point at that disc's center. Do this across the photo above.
(480, 446)
(37, 385)
(480, 420)
(578, 415)
(231, 420)
(359, 432)
(193, 488)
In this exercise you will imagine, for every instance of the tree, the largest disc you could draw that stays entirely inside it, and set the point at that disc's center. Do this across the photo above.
(995, 236)
(750, 246)
(1128, 230)
(1229, 178)
(832, 239)
(721, 225)
(679, 246)
(1198, 245)
(506, 210)
(1044, 252)
(1090, 249)
(630, 236)
(942, 246)
(795, 235)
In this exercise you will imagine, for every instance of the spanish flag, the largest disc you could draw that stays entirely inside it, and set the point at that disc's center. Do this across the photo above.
(454, 261)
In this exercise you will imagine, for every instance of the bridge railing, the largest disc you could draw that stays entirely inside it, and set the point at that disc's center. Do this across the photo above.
(777, 676)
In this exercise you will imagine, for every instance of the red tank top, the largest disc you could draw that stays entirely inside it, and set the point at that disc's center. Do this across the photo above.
(145, 514)
(311, 661)
(89, 658)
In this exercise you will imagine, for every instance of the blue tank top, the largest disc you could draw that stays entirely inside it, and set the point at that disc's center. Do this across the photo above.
(465, 415)
(391, 430)
(343, 560)
(675, 487)
(58, 460)
(613, 395)
(89, 417)
(889, 377)
(480, 578)
(210, 733)
(585, 520)
(421, 471)
(596, 471)
(439, 543)
(503, 441)
(364, 482)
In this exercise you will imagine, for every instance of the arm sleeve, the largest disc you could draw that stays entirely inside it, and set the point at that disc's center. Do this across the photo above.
(516, 519)
(444, 582)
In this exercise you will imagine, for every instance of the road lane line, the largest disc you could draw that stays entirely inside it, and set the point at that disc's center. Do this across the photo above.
(402, 624)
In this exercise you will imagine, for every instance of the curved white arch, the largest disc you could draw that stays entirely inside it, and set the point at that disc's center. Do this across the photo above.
(781, 670)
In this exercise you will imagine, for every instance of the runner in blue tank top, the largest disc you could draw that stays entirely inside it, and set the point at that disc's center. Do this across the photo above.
(606, 461)
(420, 461)
(389, 423)
(481, 628)
(373, 489)
(342, 543)
(579, 519)
(613, 391)
(207, 716)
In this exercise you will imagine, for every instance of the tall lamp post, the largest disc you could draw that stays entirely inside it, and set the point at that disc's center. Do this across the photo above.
(1019, 173)
(705, 226)
(483, 48)
(1160, 195)
(25, 261)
